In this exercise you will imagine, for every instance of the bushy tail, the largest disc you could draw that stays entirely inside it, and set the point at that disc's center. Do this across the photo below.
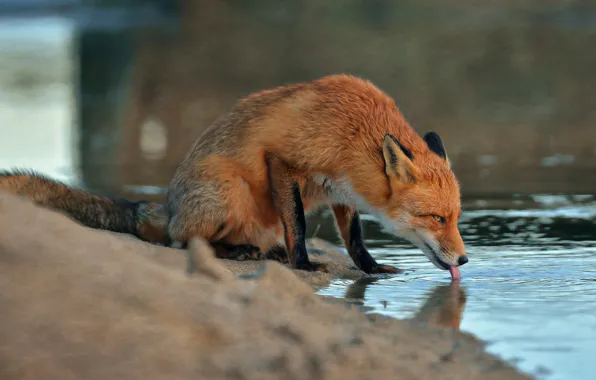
(145, 220)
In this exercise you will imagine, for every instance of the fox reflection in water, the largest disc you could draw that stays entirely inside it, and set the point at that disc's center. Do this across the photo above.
(443, 307)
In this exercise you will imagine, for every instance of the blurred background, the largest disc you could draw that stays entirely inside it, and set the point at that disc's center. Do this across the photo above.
(110, 94)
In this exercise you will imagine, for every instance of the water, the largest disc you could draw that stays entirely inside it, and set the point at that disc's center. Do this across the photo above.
(529, 288)
(37, 104)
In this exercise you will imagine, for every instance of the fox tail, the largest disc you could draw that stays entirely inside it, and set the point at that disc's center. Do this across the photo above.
(145, 220)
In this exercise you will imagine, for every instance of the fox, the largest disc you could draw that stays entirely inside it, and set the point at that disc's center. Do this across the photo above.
(252, 177)
(145, 220)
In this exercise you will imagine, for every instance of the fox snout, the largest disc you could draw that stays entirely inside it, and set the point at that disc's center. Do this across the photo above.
(443, 249)
(452, 250)
(445, 259)
(462, 260)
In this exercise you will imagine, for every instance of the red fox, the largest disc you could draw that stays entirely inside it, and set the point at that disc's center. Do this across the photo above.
(340, 141)
(248, 181)
(146, 220)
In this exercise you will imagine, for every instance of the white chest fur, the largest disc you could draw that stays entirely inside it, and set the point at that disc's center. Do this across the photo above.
(342, 191)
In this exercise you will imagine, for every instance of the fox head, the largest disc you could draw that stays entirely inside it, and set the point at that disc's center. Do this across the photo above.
(424, 205)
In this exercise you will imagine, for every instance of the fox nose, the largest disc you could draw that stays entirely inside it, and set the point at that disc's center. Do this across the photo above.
(462, 260)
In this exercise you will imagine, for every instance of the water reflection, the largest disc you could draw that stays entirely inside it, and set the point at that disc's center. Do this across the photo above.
(443, 306)
(356, 291)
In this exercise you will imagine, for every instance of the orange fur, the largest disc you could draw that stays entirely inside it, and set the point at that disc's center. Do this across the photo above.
(329, 132)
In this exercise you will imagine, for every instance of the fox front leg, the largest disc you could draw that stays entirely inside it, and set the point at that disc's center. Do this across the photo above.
(288, 205)
(350, 228)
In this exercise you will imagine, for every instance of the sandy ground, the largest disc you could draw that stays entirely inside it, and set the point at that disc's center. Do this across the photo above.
(76, 303)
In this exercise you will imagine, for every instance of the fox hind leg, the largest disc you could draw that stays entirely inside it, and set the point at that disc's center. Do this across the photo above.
(202, 211)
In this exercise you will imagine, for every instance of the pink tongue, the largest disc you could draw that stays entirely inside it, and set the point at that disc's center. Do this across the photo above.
(455, 274)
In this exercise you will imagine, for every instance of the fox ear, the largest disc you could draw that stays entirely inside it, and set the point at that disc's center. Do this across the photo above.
(398, 160)
(433, 140)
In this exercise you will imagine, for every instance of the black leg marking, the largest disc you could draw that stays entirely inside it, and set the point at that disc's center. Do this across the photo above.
(348, 222)
(302, 261)
(358, 251)
(287, 200)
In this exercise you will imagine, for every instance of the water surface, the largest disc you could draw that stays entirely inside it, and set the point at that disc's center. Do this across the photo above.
(529, 288)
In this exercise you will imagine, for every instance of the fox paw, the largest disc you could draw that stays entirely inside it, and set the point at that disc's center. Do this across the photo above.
(379, 268)
(238, 252)
(277, 253)
(251, 255)
(310, 266)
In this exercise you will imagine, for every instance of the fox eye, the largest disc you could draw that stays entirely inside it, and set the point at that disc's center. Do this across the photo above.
(439, 219)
